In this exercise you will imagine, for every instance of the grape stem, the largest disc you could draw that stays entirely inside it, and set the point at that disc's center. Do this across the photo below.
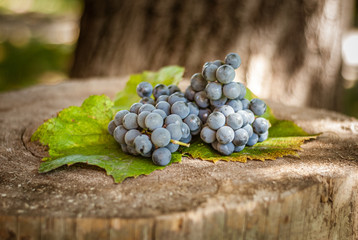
(180, 143)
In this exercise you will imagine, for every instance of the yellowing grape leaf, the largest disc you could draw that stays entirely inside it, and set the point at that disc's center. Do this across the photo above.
(285, 138)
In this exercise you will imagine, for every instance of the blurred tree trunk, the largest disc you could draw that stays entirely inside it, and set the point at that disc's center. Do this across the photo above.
(291, 50)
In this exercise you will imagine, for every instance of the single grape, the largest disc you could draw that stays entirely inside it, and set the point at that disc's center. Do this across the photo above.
(225, 149)
(130, 136)
(197, 82)
(153, 121)
(176, 97)
(160, 112)
(144, 89)
(263, 136)
(160, 89)
(239, 148)
(161, 156)
(218, 103)
(189, 93)
(187, 139)
(201, 99)
(209, 72)
(130, 121)
(241, 137)
(135, 107)
(204, 114)
(119, 133)
(172, 147)
(208, 135)
(147, 100)
(225, 74)
(160, 137)
(233, 59)
(214, 90)
(175, 131)
(234, 121)
(242, 90)
(251, 116)
(225, 109)
(142, 144)
(245, 103)
(146, 107)
(245, 117)
(257, 106)
(173, 89)
(248, 129)
(193, 122)
(173, 118)
(216, 120)
(141, 119)
(231, 90)
(181, 109)
(260, 125)
(253, 140)
(225, 134)
(193, 108)
(235, 104)
(111, 127)
(165, 106)
(162, 98)
(185, 130)
(118, 118)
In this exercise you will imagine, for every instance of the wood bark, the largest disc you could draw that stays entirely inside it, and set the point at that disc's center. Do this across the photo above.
(291, 50)
(311, 197)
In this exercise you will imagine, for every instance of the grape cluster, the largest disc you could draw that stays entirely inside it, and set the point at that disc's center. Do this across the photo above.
(155, 127)
(213, 106)
(230, 123)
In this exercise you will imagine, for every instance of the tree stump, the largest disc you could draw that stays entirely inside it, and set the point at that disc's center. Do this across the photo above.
(311, 197)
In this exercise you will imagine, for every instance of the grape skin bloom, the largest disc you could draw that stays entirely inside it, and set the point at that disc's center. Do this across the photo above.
(181, 109)
(233, 59)
(160, 137)
(153, 121)
(225, 74)
(197, 82)
(216, 120)
(225, 135)
(142, 144)
(144, 89)
(231, 90)
(208, 135)
(214, 90)
(161, 156)
(130, 121)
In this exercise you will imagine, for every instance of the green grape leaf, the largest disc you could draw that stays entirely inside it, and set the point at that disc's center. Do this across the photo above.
(79, 134)
(285, 138)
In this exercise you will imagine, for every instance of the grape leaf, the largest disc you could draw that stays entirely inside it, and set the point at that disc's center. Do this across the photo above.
(79, 134)
(285, 138)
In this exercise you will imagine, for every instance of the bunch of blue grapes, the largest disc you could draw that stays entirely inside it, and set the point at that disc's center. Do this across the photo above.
(231, 121)
(155, 127)
(229, 131)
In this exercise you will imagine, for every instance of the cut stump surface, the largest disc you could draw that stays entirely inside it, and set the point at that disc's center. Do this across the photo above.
(311, 197)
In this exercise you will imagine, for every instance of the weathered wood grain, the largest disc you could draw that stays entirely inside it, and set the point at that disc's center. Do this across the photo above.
(311, 197)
